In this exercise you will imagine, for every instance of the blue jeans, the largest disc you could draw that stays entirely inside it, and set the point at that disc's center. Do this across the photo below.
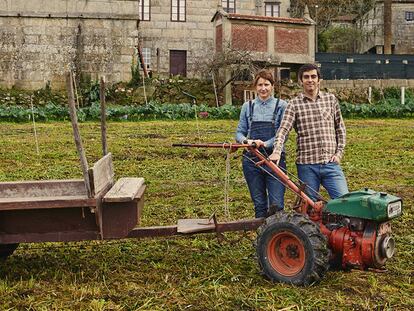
(264, 189)
(329, 175)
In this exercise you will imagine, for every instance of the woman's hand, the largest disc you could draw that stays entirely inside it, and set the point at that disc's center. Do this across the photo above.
(257, 142)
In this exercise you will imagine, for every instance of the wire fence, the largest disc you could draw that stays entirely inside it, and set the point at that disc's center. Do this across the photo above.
(336, 66)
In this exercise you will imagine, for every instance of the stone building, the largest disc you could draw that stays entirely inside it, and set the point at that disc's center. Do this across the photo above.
(372, 24)
(174, 34)
(277, 42)
(40, 40)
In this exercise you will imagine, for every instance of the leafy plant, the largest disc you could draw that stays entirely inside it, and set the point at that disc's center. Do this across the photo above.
(390, 108)
(339, 39)
(151, 111)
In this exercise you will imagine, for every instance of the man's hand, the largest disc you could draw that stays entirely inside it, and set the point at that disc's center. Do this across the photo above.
(275, 158)
(335, 159)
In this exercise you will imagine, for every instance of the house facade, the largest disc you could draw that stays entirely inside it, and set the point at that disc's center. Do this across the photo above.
(372, 26)
(175, 34)
(41, 40)
(277, 42)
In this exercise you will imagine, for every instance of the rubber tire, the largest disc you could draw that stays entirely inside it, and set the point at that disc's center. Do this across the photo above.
(307, 233)
(7, 249)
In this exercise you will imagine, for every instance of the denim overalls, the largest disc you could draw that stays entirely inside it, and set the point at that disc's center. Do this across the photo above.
(264, 189)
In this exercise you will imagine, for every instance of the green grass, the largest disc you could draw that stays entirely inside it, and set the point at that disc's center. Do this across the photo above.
(196, 272)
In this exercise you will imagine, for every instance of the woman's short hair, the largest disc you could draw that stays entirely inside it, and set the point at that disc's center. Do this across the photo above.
(264, 74)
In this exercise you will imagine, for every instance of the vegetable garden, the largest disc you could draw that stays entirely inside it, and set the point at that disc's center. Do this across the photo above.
(197, 272)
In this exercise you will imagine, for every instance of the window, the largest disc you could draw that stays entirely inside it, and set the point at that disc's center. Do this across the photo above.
(144, 10)
(229, 6)
(248, 95)
(409, 16)
(178, 10)
(146, 55)
(272, 9)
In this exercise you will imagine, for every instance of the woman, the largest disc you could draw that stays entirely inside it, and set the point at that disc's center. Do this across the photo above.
(259, 121)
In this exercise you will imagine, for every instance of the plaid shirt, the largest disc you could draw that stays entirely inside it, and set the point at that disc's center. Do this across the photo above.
(319, 126)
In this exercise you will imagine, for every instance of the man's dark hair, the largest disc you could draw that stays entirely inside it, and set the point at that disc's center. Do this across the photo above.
(309, 67)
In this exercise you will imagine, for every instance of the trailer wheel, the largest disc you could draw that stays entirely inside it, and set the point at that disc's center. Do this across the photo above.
(7, 249)
(291, 249)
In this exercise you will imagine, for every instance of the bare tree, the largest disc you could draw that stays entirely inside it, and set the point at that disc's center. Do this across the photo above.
(239, 62)
(329, 9)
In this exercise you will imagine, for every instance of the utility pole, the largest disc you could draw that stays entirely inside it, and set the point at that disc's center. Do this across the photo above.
(316, 28)
(387, 26)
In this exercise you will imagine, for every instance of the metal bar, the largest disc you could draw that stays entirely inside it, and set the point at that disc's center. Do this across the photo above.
(76, 134)
(283, 177)
(240, 225)
(263, 160)
(158, 231)
(145, 232)
(213, 145)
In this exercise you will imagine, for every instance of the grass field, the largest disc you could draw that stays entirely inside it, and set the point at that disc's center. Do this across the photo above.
(196, 272)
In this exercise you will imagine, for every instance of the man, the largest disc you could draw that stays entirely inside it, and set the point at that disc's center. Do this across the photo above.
(320, 129)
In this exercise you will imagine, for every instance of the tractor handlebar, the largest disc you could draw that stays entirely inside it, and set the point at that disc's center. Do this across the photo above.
(262, 160)
(215, 145)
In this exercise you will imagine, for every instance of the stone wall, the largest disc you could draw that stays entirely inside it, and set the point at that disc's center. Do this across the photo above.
(40, 40)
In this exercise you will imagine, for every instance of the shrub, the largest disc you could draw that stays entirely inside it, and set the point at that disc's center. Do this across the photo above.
(390, 108)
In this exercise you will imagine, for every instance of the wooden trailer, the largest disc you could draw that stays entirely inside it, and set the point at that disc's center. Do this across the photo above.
(61, 210)
(93, 208)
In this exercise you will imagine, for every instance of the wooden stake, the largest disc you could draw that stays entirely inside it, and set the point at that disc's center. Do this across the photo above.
(76, 134)
(369, 94)
(34, 126)
(76, 90)
(215, 91)
(141, 60)
(103, 116)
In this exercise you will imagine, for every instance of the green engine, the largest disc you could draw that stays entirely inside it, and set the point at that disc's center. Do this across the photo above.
(358, 228)
(366, 204)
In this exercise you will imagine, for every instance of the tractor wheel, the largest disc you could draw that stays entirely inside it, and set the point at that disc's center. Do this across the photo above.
(291, 249)
(7, 249)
